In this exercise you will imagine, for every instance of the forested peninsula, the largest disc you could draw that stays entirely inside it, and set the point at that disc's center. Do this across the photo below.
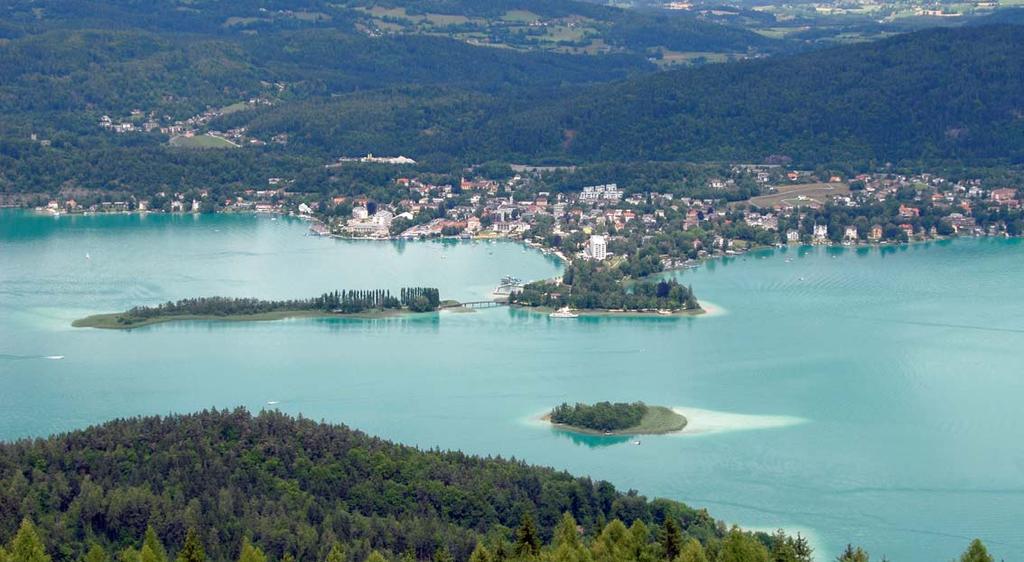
(620, 418)
(368, 303)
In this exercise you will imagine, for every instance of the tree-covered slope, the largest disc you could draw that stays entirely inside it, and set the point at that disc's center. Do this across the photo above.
(953, 96)
(934, 95)
(292, 486)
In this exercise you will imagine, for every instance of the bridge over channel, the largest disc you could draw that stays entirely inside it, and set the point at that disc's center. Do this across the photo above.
(476, 304)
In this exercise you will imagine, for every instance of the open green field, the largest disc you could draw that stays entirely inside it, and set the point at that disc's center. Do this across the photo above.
(801, 194)
(202, 141)
(657, 420)
(234, 108)
(520, 16)
(673, 58)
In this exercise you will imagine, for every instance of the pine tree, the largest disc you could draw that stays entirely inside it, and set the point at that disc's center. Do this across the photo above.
(804, 552)
(95, 554)
(27, 546)
(250, 553)
(566, 541)
(193, 549)
(376, 557)
(443, 555)
(336, 554)
(566, 532)
(527, 538)
(852, 554)
(692, 551)
(741, 547)
(671, 539)
(782, 549)
(976, 553)
(481, 554)
(156, 551)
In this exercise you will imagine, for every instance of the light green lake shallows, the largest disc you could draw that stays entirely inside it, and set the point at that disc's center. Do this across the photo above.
(864, 396)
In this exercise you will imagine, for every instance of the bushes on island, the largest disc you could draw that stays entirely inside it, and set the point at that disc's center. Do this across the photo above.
(416, 299)
(586, 285)
(602, 416)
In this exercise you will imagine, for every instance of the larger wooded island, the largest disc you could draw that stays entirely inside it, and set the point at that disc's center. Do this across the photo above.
(368, 303)
(620, 418)
(593, 287)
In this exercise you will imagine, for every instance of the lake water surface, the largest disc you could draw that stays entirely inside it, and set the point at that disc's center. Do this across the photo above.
(866, 396)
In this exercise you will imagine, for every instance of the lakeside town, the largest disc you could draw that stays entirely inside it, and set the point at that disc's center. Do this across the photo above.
(650, 230)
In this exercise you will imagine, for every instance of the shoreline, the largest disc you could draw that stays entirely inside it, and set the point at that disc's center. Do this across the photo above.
(109, 321)
(635, 430)
(609, 313)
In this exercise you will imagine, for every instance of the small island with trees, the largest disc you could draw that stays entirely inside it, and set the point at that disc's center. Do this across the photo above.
(591, 288)
(365, 304)
(619, 418)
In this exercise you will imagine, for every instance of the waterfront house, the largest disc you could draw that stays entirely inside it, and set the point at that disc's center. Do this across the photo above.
(820, 234)
(909, 212)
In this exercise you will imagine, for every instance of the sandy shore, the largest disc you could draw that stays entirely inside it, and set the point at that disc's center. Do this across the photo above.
(711, 421)
(605, 313)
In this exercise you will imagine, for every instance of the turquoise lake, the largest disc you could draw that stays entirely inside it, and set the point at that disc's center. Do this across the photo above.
(854, 395)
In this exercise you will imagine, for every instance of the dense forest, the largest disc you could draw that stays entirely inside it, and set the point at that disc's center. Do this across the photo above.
(945, 94)
(589, 286)
(296, 487)
(600, 416)
(329, 86)
(936, 97)
(221, 486)
(416, 299)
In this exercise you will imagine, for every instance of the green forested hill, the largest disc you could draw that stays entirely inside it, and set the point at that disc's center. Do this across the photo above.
(952, 96)
(291, 485)
(933, 95)
(220, 486)
(949, 97)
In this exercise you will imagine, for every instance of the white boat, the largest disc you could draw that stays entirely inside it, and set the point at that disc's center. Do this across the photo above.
(564, 312)
(664, 312)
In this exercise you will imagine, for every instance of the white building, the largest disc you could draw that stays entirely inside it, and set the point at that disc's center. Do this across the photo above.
(383, 218)
(597, 248)
(608, 192)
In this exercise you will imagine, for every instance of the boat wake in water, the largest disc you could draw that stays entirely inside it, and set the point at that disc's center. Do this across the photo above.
(9, 357)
